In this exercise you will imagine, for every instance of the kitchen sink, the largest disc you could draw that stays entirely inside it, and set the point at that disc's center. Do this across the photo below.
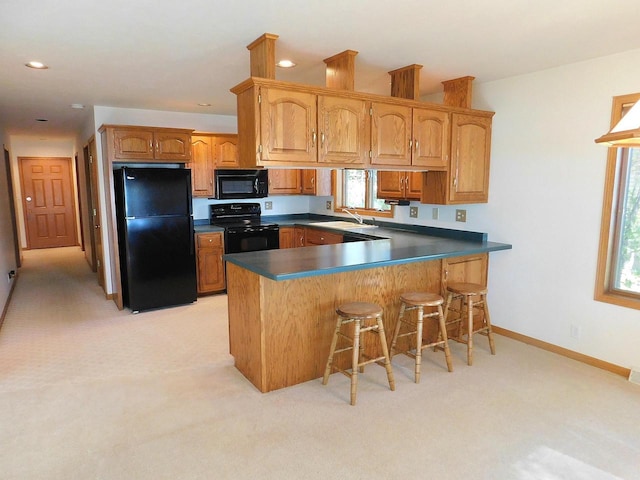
(342, 225)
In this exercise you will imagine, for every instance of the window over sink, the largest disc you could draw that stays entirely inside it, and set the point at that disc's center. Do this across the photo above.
(356, 190)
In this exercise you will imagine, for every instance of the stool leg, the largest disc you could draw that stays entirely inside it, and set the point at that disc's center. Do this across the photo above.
(492, 345)
(470, 333)
(355, 360)
(334, 341)
(443, 335)
(419, 343)
(397, 330)
(385, 352)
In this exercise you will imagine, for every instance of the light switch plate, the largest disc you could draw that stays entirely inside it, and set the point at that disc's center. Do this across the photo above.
(435, 213)
(328, 204)
(268, 205)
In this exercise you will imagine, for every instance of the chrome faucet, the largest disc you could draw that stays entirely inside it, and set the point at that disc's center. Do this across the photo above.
(355, 215)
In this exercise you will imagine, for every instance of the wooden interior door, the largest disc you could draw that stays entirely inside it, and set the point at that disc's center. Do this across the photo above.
(48, 202)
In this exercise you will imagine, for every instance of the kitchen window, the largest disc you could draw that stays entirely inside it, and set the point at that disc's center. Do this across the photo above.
(357, 191)
(618, 275)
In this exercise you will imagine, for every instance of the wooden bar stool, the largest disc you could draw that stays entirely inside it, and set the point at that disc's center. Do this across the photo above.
(418, 301)
(466, 292)
(361, 314)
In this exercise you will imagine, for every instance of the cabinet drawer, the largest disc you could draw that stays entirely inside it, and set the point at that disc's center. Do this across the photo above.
(321, 237)
(204, 240)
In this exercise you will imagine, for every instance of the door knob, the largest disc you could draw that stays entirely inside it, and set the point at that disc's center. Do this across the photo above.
(28, 199)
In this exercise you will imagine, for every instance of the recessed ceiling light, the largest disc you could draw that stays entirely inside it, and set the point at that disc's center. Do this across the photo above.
(204, 104)
(285, 64)
(41, 120)
(77, 106)
(36, 65)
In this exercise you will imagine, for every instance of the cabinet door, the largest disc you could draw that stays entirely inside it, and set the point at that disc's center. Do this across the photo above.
(316, 182)
(288, 126)
(201, 166)
(343, 128)
(430, 138)
(470, 154)
(390, 134)
(172, 146)
(285, 181)
(300, 234)
(391, 184)
(133, 144)
(210, 267)
(287, 237)
(413, 185)
(225, 151)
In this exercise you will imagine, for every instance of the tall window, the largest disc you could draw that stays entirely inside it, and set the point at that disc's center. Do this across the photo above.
(618, 276)
(358, 191)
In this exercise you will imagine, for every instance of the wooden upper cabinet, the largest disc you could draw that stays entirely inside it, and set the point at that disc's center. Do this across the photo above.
(201, 166)
(172, 146)
(131, 143)
(343, 125)
(390, 134)
(430, 138)
(225, 150)
(399, 185)
(316, 182)
(285, 181)
(467, 178)
(288, 126)
(469, 168)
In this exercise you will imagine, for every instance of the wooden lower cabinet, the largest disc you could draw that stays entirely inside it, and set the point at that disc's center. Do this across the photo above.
(209, 263)
(314, 236)
(287, 237)
(292, 237)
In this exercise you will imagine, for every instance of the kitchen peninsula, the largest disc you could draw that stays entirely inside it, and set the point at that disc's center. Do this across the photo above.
(282, 302)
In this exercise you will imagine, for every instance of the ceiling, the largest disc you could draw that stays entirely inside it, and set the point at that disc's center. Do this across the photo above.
(173, 54)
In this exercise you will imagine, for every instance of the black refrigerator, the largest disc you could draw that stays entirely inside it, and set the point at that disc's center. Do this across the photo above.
(155, 237)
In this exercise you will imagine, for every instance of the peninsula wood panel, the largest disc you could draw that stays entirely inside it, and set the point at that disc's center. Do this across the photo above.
(295, 319)
(246, 338)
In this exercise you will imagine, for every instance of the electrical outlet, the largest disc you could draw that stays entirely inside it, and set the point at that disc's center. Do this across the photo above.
(461, 215)
(575, 331)
(413, 212)
(328, 204)
(435, 213)
(268, 205)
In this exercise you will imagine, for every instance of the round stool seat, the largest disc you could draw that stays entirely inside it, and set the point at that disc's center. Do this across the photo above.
(359, 310)
(422, 298)
(467, 288)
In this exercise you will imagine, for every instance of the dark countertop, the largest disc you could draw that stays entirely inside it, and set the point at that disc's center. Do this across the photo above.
(207, 229)
(394, 246)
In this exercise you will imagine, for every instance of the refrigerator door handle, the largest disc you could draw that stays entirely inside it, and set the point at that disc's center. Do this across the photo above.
(192, 242)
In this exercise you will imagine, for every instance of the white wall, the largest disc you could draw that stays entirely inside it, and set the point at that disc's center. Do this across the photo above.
(547, 182)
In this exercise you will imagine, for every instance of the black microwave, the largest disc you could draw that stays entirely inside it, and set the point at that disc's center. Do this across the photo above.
(231, 184)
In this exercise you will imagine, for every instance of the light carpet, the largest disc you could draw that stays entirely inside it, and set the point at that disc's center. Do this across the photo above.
(90, 392)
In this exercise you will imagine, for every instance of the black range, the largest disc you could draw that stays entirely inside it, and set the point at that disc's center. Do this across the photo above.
(244, 231)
